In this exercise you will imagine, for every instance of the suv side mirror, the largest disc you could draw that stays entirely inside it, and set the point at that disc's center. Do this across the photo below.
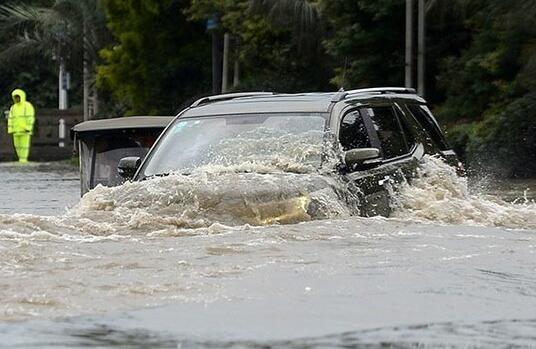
(128, 166)
(361, 156)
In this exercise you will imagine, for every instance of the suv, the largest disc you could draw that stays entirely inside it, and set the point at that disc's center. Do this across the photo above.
(373, 138)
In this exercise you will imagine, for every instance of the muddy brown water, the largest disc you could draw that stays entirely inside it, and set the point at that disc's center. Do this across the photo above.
(197, 262)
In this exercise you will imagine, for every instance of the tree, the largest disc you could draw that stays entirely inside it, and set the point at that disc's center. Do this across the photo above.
(489, 87)
(302, 16)
(61, 29)
(30, 74)
(366, 41)
(160, 60)
(273, 52)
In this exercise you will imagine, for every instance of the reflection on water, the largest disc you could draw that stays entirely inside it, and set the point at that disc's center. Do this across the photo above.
(167, 264)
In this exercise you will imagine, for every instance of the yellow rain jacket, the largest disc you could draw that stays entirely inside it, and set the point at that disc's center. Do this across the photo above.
(21, 115)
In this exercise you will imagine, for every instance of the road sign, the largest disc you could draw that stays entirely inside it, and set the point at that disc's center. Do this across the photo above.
(212, 23)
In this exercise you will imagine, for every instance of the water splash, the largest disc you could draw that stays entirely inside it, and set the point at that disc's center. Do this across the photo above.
(259, 195)
(438, 195)
(213, 198)
(207, 197)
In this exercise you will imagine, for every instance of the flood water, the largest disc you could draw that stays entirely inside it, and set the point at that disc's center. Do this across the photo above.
(205, 261)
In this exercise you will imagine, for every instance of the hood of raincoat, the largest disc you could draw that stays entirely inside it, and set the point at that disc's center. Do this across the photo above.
(20, 93)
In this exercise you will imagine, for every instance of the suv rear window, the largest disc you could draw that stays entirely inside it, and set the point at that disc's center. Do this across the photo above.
(426, 120)
(389, 131)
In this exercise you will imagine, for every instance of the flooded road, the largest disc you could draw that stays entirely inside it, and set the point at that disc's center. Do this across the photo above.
(38, 188)
(165, 264)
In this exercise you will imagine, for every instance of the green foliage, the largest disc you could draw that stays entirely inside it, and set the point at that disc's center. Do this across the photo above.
(459, 137)
(490, 84)
(366, 41)
(505, 141)
(30, 69)
(302, 17)
(56, 28)
(40, 33)
(39, 82)
(160, 59)
(481, 57)
(485, 73)
(273, 53)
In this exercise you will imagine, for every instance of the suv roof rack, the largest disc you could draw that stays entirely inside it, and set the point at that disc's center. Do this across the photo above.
(378, 90)
(228, 96)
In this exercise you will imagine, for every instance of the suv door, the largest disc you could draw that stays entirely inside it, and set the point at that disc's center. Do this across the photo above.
(372, 188)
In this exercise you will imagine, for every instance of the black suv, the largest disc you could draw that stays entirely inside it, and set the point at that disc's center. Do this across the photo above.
(373, 138)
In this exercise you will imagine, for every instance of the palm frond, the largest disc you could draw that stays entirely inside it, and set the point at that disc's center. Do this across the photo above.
(66, 26)
(23, 47)
(21, 15)
(441, 8)
(303, 14)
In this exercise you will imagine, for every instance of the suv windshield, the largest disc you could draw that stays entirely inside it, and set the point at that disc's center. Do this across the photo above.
(283, 141)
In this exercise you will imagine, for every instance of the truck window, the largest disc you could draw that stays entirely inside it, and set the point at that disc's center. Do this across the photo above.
(353, 133)
(408, 126)
(427, 121)
(389, 131)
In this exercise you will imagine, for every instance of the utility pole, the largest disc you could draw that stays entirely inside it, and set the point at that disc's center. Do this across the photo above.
(422, 50)
(85, 76)
(63, 85)
(212, 27)
(225, 68)
(236, 69)
(216, 64)
(409, 44)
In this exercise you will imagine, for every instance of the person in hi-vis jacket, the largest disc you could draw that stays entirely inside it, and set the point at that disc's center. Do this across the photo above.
(20, 123)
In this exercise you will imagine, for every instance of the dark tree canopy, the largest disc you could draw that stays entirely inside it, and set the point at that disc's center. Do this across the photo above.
(160, 59)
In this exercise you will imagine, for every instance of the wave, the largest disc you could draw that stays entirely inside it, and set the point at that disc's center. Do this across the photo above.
(437, 194)
(216, 198)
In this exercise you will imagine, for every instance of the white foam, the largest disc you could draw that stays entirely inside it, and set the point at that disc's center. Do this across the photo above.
(214, 199)
(440, 196)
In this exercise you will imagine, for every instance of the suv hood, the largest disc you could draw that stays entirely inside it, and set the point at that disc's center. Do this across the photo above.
(203, 199)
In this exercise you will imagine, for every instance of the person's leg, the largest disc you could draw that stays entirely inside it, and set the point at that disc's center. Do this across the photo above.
(25, 145)
(22, 146)
(16, 143)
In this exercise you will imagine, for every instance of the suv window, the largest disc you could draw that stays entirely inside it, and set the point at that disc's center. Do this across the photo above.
(353, 133)
(408, 124)
(427, 121)
(389, 131)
